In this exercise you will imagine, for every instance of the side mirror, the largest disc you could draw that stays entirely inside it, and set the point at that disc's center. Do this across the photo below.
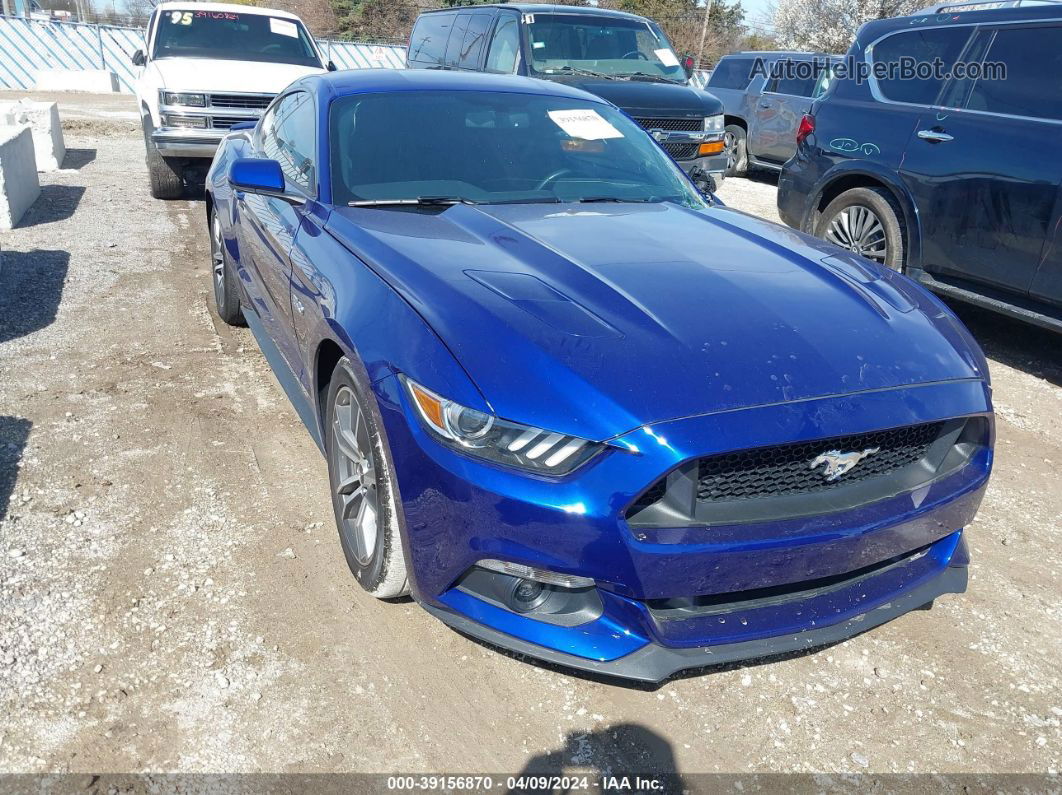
(264, 177)
(138, 58)
(331, 67)
(243, 125)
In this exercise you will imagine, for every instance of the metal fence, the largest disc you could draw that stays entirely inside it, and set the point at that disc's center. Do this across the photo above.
(28, 45)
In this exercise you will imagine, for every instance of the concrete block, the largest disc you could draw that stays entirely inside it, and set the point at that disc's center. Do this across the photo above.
(97, 81)
(43, 119)
(19, 187)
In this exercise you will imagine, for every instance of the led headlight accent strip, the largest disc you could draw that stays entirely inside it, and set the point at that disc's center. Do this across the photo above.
(486, 436)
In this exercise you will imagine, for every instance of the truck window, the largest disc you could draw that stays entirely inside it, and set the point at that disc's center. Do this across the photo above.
(427, 44)
(472, 47)
(232, 36)
(457, 38)
(505, 46)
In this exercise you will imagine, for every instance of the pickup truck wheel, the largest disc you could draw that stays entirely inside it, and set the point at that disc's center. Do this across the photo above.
(226, 290)
(867, 221)
(364, 491)
(736, 149)
(164, 175)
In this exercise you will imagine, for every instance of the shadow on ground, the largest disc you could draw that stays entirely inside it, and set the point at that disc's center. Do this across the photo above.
(627, 749)
(56, 203)
(78, 158)
(1022, 346)
(31, 287)
(14, 431)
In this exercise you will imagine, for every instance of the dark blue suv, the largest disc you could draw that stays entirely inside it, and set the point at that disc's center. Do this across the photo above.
(937, 154)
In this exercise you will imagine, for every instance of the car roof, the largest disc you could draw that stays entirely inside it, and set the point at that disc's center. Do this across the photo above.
(365, 81)
(541, 8)
(232, 8)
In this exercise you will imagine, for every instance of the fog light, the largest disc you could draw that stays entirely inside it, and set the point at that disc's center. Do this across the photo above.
(538, 575)
(527, 595)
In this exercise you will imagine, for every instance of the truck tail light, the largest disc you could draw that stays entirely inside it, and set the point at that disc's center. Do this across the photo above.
(806, 128)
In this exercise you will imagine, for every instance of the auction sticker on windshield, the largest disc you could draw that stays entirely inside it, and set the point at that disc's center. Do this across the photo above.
(283, 27)
(666, 56)
(585, 124)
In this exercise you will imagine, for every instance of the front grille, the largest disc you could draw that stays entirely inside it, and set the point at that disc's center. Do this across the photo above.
(802, 479)
(224, 122)
(786, 469)
(695, 124)
(250, 101)
(681, 151)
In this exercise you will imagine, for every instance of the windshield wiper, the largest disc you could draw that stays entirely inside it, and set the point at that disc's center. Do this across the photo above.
(645, 75)
(420, 201)
(575, 70)
(618, 200)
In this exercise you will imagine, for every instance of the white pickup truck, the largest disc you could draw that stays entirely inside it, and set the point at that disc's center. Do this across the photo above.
(207, 67)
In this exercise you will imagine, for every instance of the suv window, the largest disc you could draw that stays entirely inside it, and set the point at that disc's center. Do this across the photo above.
(473, 43)
(732, 73)
(1033, 57)
(427, 44)
(922, 46)
(288, 137)
(457, 37)
(505, 46)
(794, 86)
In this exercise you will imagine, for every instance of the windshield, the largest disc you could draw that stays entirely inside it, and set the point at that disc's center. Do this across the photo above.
(234, 37)
(611, 46)
(492, 147)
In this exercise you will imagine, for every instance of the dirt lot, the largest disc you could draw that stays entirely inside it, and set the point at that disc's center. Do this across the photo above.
(173, 596)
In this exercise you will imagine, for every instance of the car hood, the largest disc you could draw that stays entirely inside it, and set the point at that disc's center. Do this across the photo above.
(205, 74)
(647, 98)
(596, 319)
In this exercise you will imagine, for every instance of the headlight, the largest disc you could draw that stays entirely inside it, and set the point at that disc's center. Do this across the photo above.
(714, 123)
(183, 121)
(177, 98)
(486, 436)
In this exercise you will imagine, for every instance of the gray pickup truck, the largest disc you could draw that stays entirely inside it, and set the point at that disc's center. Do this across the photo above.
(764, 96)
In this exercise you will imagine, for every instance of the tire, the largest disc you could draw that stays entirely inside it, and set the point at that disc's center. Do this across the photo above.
(361, 479)
(864, 220)
(226, 288)
(164, 175)
(736, 147)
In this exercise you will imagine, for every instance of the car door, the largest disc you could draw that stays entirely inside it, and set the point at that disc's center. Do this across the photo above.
(777, 111)
(985, 173)
(270, 223)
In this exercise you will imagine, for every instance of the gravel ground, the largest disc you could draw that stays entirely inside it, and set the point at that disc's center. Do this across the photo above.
(174, 597)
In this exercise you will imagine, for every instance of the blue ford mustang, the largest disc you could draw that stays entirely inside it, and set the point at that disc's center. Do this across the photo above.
(576, 408)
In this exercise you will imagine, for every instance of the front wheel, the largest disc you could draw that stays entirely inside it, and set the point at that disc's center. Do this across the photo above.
(226, 293)
(364, 492)
(868, 222)
(164, 175)
(735, 147)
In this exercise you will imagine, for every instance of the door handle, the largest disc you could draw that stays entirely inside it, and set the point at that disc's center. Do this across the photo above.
(935, 136)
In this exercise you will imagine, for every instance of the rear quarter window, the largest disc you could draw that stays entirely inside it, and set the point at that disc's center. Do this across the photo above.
(427, 43)
(732, 73)
(917, 47)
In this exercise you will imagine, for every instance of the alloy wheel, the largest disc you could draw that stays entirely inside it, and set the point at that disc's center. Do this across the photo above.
(355, 475)
(730, 150)
(858, 229)
(217, 258)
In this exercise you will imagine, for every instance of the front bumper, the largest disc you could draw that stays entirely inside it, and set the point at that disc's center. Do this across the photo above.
(187, 142)
(715, 165)
(775, 587)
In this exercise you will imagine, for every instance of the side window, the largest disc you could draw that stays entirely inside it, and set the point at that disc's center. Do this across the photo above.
(799, 80)
(505, 46)
(1032, 57)
(457, 38)
(732, 73)
(427, 43)
(935, 45)
(473, 44)
(290, 138)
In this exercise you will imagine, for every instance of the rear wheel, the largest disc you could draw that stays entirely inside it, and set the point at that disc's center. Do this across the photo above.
(736, 150)
(226, 291)
(364, 493)
(867, 221)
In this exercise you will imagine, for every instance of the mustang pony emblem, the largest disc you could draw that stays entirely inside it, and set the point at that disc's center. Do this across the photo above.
(837, 463)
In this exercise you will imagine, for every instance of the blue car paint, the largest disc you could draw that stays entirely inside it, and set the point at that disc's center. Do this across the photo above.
(758, 335)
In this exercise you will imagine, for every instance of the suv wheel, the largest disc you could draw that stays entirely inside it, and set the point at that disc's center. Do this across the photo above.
(867, 221)
(736, 150)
